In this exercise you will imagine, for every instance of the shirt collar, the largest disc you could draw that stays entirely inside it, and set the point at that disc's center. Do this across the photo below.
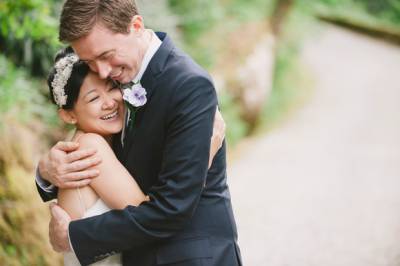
(155, 43)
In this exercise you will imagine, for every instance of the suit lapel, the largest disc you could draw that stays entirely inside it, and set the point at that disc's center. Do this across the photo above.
(148, 81)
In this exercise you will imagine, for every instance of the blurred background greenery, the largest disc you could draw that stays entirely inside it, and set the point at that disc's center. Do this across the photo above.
(228, 37)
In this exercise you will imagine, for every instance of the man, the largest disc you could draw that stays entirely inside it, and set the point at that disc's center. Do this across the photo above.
(188, 219)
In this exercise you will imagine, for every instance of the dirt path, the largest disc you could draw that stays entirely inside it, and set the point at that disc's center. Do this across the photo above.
(324, 188)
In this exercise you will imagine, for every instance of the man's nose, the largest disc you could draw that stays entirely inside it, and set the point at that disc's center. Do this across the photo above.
(103, 69)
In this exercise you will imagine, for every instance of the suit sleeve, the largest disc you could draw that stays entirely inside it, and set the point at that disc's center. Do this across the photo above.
(175, 196)
(48, 193)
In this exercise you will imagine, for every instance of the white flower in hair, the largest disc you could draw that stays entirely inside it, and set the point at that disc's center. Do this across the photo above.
(63, 69)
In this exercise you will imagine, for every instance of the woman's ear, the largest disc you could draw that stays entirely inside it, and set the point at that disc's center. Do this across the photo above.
(67, 116)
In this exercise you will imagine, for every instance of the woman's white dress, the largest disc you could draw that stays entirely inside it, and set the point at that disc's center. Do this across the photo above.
(115, 260)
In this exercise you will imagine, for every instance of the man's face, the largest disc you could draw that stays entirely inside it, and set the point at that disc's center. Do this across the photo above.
(114, 55)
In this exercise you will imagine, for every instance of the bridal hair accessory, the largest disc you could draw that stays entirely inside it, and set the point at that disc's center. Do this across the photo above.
(63, 69)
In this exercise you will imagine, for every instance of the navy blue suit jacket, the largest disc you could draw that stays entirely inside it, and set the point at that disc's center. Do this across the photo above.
(189, 219)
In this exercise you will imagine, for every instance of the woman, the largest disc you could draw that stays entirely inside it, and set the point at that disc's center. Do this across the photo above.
(96, 108)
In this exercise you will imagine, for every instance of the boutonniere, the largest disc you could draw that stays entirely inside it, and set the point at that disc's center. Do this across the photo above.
(134, 97)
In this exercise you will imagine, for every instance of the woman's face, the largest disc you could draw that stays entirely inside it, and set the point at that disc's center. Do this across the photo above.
(99, 107)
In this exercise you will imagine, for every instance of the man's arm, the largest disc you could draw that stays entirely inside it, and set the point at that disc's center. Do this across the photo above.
(65, 167)
(59, 232)
(46, 190)
(175, 197)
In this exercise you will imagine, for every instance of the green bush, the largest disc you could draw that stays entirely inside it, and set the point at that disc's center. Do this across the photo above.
(368, 12)
(28, 33)
(386, 9)
(236, 128)
(196, 18)
(23, 97)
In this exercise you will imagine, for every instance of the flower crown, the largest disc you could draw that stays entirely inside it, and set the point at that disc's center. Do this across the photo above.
(63, 69)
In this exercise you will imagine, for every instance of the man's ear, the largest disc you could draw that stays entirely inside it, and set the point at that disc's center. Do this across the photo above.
(67, 116)
(136, 24)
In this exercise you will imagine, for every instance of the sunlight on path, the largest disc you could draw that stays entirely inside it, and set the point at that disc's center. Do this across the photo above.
(324, 188)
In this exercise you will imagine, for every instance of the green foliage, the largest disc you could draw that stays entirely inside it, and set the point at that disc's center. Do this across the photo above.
(368, 12)
(290, 80)
(21, 96)
(386, 9)
(250, 10)
(168, 22)
(284, 88)
(236, 128)
(28, 33)
(195, 18)
(198, 17)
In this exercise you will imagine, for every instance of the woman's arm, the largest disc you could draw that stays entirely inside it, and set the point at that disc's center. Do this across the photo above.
(114, 185)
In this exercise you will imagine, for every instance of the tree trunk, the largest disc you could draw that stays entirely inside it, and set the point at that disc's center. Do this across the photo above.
(282, 8)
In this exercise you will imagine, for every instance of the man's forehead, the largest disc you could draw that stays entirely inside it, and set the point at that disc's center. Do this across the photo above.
(92, 45)
(87, 53)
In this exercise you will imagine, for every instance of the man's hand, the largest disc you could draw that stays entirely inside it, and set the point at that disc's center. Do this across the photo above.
(67, 167)
(218, 135)
(58, 229)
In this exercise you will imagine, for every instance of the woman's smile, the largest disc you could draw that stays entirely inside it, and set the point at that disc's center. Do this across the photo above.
(111, 117)
(99, 107)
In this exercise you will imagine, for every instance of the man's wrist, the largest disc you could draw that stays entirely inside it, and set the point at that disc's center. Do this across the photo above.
(42, 183)
(40, 168)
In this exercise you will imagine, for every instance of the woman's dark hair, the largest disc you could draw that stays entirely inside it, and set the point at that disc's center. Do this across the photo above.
(74, 83)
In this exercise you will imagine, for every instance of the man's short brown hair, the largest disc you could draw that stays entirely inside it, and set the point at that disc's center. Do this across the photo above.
(78, 17)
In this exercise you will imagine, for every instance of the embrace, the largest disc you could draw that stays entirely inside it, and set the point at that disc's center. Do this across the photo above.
(143, 180)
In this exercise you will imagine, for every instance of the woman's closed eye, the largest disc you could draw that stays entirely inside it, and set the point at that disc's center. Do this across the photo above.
(93, 99)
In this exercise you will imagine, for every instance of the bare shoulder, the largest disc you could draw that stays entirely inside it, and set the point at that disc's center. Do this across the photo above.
(92, 140)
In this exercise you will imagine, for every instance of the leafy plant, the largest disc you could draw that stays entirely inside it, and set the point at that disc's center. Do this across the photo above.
(236, 128)
(28, 33)
(22, 96)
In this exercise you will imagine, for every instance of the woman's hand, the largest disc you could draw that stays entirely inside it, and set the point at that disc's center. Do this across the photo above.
(67, 167)
(218, 135)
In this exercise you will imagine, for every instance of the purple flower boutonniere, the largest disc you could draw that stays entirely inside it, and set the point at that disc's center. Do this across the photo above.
(134, 97)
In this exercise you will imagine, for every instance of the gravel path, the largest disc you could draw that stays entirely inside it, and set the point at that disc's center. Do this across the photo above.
(324, 188)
